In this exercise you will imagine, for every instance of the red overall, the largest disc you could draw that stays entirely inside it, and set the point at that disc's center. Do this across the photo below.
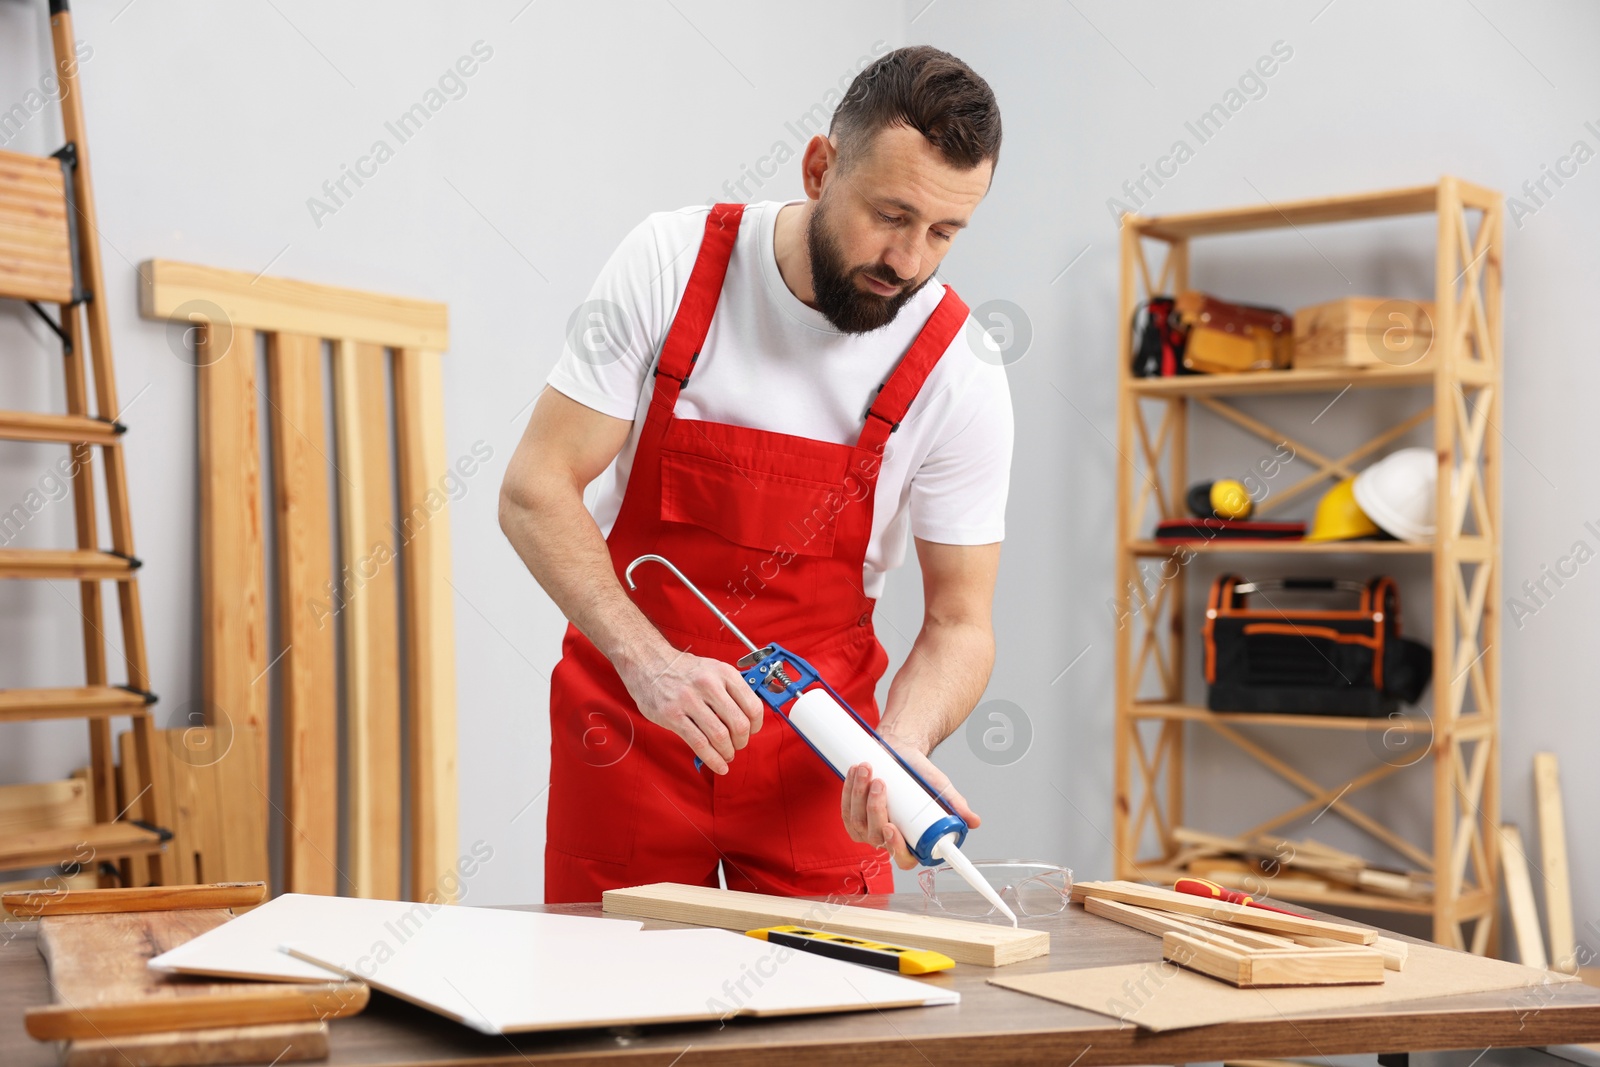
(774, 529)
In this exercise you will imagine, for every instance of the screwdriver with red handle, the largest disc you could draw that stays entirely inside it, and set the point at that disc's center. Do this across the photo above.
(1201, 888)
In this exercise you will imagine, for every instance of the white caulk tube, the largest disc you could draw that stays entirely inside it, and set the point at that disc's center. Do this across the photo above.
(932, 833)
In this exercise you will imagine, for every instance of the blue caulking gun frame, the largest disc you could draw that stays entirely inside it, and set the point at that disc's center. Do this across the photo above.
(766, 671)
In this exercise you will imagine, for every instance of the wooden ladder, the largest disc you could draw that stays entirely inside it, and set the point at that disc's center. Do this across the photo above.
(50, 254)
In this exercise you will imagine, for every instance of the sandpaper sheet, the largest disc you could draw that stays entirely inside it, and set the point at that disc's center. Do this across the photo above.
(1164, 996)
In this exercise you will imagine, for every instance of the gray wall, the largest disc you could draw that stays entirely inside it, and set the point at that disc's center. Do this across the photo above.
(212, 125)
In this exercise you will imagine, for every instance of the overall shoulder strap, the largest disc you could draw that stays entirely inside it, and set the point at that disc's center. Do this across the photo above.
(693, 319)
(905, 382)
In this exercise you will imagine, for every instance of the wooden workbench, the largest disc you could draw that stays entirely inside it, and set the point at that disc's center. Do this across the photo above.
(990, 1026)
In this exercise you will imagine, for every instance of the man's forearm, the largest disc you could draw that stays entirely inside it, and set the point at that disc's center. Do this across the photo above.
(939, 683)
(558, 540)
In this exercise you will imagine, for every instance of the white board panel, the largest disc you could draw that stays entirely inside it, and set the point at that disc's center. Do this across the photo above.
(248, 946)
(570, 978)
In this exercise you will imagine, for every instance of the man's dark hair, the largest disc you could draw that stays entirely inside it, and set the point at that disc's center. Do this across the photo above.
(926, 90)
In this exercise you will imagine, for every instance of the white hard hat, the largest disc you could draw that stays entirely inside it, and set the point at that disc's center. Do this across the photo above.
(1398, 493)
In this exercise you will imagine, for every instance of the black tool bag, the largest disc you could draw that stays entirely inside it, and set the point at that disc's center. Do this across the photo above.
(1329, 662)
(1158, 340)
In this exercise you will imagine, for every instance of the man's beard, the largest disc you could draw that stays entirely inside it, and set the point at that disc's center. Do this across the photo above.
(842, 302)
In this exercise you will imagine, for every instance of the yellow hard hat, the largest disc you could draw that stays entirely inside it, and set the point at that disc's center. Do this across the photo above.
(1339, 517)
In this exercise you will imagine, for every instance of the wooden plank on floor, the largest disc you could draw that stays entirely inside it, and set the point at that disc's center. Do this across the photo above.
(1519, 896)
(241, 794)
(48, 901)
(429, 620)
(1553, 861)
(210, 798)
(305, 570)
(369, 617)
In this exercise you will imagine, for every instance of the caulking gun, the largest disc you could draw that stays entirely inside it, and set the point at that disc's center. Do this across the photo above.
(831, 728)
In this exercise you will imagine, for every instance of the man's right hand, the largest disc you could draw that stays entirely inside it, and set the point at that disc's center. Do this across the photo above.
(704, 701)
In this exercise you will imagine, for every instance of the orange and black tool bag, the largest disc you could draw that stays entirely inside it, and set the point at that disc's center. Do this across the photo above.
(1349, 661)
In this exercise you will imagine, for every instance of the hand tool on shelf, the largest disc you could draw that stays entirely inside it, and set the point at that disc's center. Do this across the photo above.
(831, 728)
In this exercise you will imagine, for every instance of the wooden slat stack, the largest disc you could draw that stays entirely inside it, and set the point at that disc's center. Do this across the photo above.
(1245, 946)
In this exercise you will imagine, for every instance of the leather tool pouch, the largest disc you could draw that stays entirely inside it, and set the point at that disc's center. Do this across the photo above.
(1224, 338)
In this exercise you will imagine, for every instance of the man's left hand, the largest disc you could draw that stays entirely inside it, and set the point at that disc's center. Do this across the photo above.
(864, 802)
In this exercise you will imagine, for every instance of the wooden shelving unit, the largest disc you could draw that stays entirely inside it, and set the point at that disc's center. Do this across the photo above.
(1462, 733)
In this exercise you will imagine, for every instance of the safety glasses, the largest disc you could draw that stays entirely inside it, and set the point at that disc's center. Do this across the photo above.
(1029, 888)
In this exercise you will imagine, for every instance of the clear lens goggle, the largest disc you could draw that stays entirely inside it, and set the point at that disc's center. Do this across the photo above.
(1030, 888)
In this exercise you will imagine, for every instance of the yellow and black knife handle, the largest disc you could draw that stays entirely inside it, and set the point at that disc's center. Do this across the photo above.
(897, 958)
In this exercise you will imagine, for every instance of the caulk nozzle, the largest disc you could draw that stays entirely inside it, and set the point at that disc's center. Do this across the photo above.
(948, 851)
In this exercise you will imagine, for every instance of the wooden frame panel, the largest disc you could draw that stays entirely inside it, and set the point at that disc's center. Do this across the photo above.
(362, 600)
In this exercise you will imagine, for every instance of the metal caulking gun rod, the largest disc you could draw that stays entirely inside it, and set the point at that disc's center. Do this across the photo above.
(933, 832)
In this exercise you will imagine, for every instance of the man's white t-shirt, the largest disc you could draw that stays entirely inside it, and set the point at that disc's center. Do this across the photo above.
(769, 362)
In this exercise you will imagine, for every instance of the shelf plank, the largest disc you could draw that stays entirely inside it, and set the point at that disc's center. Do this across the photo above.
(1308, 380)
(1469, 549)
(1195, 713)
(1148, 547)
(1386, 203)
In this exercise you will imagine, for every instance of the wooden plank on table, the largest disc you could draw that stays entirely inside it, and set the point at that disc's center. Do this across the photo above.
(1150, 921)
(273, 304)
(233, 594)
(424, 535)
(1186, 904)
(964, 942)
(369, 616)
(1392, 949)
(1273, 967)
(1156, 922)
(271, 1045)
(1519, 896)
(151, 898)
(104, 987)
(1553, 861)
(310, 728)
(260, 1004)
